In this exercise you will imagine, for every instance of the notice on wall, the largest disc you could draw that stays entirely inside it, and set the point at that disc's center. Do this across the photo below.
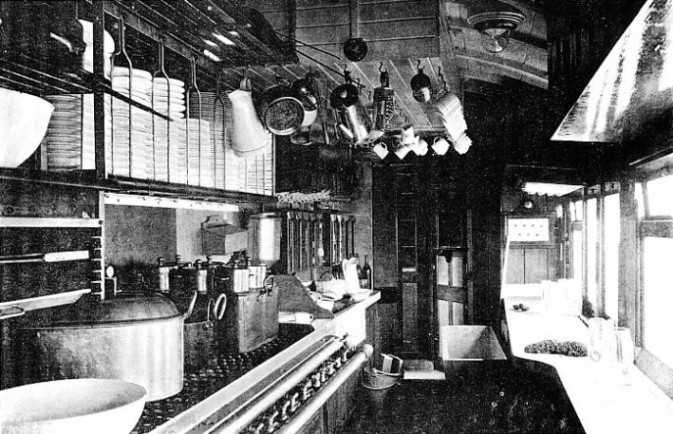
(531, 230)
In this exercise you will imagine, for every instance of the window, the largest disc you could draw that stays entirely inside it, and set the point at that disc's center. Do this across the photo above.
(657, 298)
(656, 229)
(612, 237)
(592, 247)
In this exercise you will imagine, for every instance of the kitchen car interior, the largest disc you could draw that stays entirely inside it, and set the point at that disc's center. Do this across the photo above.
(336, 216)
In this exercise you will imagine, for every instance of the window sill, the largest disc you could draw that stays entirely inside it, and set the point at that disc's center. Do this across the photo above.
(604, 403)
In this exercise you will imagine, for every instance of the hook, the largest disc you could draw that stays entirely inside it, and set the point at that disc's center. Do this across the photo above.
(346, 68)
(441, 77)
(418, 65)
(381, 68)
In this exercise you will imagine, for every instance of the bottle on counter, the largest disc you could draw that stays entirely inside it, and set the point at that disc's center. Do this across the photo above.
(367, 275)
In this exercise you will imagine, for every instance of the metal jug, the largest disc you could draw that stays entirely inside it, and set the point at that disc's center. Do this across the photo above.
(353, 119)
(248, 136)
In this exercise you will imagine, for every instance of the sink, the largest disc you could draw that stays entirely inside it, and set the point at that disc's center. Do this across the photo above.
(72, 406)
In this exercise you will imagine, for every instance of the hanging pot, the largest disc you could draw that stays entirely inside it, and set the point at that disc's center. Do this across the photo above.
(304, 92)
(352, 118)
(355, 49)
(280, 111)
(421, 85)
(248, 136)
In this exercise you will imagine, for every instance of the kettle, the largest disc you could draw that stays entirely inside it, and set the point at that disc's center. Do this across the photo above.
(352, 118)
(421, 85)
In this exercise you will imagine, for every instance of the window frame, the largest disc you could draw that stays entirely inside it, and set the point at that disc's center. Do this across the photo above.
(656, 227)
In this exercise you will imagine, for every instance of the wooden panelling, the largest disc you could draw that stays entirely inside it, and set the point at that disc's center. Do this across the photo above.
(335, 15)
(138, 234)
(384, 235)
(390, 322)
(410, 341)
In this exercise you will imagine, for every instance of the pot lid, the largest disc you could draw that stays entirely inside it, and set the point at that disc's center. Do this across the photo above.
(121, 309)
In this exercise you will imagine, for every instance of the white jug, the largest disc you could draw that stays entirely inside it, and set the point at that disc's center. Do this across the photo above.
(248, 137)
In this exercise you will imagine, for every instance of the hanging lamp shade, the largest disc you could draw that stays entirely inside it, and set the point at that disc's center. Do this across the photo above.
(495, 21)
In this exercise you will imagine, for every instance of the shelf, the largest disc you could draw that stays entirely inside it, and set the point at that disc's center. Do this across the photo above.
(49, 222)
(28, 304)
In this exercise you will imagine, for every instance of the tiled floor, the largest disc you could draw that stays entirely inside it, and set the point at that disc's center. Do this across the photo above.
(499, 400)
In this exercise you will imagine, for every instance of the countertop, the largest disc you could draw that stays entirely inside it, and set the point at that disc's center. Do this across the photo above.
(350, 321)
(604, 401)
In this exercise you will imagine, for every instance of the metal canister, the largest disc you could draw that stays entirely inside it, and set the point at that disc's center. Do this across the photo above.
(264, 239)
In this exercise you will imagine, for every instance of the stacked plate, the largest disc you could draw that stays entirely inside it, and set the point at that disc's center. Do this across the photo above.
(130, 152)
(231, 161)
(212, 109)
(169, 152)
(168, 97)
(70, 138)
(200, 154)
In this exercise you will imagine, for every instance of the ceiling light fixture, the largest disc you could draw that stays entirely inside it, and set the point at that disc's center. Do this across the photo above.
(495, 21)
(224, 39)
(211, 56)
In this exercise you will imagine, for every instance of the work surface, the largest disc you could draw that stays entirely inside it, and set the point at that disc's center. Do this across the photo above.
(604, 401)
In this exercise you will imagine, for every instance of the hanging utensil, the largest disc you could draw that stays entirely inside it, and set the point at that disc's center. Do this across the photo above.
(281, 112)
(421, 85)
(353, 119)
(384, 102)
(248, 136)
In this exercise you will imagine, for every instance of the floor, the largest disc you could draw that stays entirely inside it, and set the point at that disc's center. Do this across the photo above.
(498, 399)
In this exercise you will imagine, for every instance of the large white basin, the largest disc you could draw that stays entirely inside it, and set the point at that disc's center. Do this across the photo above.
(83, 406)
(23, 122)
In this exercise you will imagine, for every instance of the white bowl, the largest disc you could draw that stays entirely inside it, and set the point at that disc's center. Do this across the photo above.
(23, 122)
(72, 406)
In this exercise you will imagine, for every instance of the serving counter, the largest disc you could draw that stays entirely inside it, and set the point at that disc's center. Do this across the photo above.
(605, 401)
(301, 351)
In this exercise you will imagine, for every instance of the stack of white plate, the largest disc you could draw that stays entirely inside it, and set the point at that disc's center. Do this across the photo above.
(70, 138)
(169, 151)
(260, 174)
(200, 154)
(231, 161)
(212, 110)
(131, 150)
(168, 98)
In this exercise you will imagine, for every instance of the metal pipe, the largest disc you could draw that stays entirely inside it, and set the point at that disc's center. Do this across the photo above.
(306, 412)
(247, 413)
(306, 45)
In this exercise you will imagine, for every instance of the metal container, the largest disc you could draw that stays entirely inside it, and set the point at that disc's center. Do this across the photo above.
(264, 235)
(136, 339)
(201, 348)
(281, 112)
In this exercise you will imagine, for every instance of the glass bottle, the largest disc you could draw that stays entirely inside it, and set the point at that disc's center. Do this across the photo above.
(367, 274)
